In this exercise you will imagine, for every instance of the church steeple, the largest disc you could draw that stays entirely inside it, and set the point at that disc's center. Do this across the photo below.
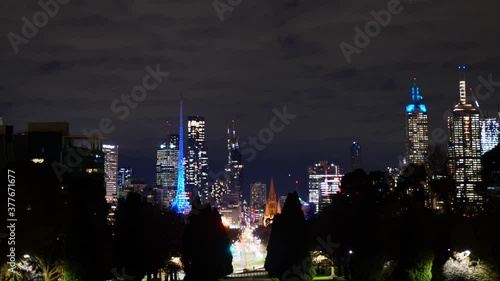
(272, 205)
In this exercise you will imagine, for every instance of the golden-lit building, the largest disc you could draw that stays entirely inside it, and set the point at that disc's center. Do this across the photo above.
(272, 205)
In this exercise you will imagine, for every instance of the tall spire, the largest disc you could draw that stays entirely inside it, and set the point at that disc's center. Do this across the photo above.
(461, 84)
(272, 192)
(181, 203)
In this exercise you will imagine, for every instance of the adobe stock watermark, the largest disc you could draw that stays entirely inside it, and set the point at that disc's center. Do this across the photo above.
(122, 107)
(29, 30)
(222, 7)
(266, 135)
(372, 29)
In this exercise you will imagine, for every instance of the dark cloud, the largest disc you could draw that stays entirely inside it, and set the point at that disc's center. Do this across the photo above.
(264, 55)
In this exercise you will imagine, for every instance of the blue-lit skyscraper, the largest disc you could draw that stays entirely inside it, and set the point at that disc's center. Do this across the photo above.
(417, 132)
(181, 203)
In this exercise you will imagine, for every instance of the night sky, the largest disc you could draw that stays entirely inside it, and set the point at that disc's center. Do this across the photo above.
(263, 55)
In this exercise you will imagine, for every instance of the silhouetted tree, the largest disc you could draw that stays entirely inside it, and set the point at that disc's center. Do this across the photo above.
(205, 252)
(287, 253)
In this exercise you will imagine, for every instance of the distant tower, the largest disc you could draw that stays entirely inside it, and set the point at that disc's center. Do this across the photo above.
(417, 132)
(355, 156)
(197, 159)
(324, 180)
(111, 169)
(464, 150)
(489, 134)
(258, 201)
(167, 162)
(234, 165)
(181, 202)
(272, 206)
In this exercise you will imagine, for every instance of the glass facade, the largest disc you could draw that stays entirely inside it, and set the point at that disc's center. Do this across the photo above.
(464, 153)
(324, 180)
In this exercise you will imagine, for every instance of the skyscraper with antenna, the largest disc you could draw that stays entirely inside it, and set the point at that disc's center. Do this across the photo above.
(181, 202)
(464, 149)
(417, 132)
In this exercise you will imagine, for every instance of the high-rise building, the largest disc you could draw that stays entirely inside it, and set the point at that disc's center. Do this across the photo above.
(258, 202)
(417, 132)
(111, 169)
(234, 165)
(123, 180)
(324, 180)
(197, 159)
(167, 162)
(272, 205)
(46, 141)
(355, 156)
(181, 202)
(464, 150)
(489, 134)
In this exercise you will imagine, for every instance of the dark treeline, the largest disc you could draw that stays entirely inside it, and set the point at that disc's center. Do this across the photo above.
(63, 231)
(376, 230)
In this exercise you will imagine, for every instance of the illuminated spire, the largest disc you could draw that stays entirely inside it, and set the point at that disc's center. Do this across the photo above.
(181, 203)
(461, 84)
(416, 99)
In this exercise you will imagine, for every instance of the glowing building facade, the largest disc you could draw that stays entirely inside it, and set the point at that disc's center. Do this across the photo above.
(464, 150)
(257, 202)
(234, 165)
(489, 134)
(181, 202)
(324, 180)
(272, 205)
(111, 169)
(197, 158)
(167, 162)
(124, 177)
(417, 132)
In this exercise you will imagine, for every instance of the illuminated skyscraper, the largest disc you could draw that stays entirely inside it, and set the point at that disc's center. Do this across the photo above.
(124, 177)
(234, 165)
(181, 202)
(355, 156)
(324, 181)
(464, 149)
(417, 132)
(197, 160)
(167, 161)
(489, 134)
(258, 201)
(111, 169)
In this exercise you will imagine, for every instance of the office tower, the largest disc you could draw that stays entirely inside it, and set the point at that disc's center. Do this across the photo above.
(111, 169)
(217, 191)
(464, 150)
(197, 159)
(234, 165)
(272, 205)
(167, 161)
(324, 181)
(181, 202)
(258, 202)
(417, 132)
(355, 156)
(124, 177)
(489, 134)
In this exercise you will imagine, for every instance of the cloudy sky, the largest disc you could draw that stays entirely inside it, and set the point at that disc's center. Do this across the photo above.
(262, 55)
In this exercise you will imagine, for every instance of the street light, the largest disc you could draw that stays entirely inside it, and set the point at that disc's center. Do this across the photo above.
(350, 252)
(26, 256)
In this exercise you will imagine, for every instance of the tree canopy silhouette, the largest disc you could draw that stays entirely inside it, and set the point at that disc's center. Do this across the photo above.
(287, 253)
(205, 250)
